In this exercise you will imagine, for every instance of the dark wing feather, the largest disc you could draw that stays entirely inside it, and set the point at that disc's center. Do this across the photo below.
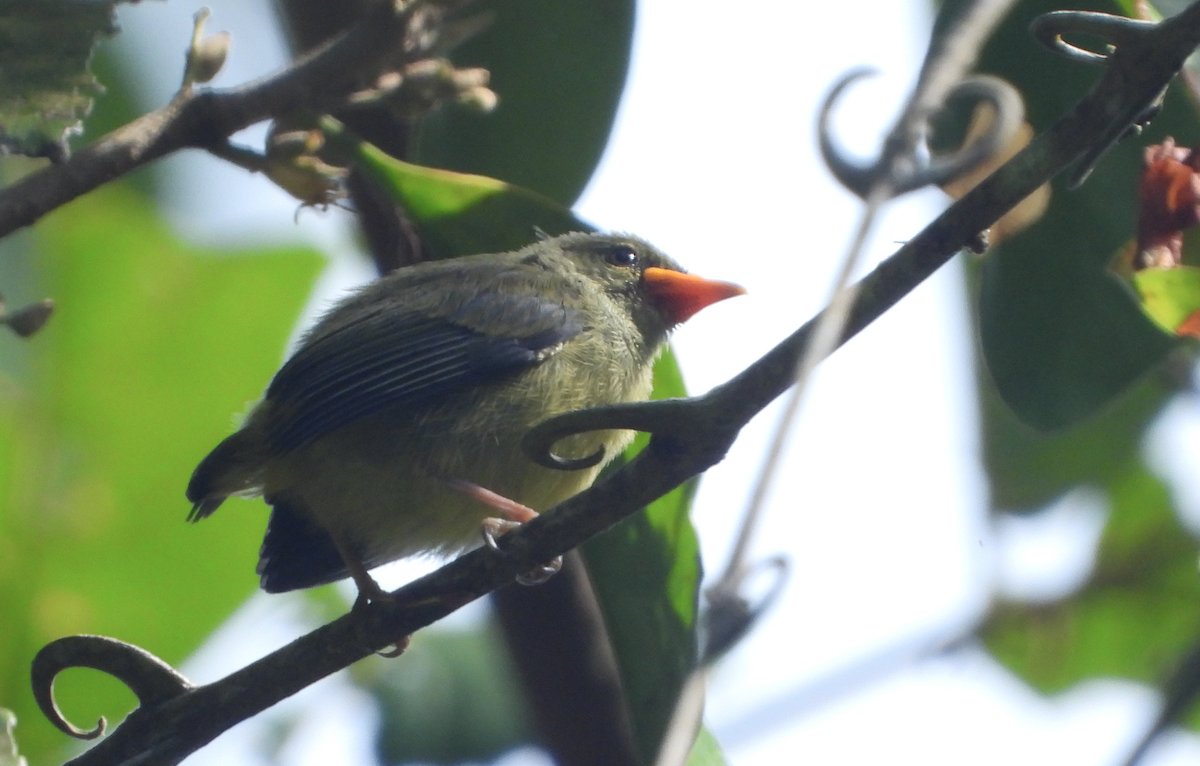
(395, 359)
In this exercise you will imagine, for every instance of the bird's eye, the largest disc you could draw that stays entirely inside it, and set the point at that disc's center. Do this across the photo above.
(621, 255)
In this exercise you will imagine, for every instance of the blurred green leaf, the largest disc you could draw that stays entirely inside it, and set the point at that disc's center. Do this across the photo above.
(45, 87)
(1169, 296)
(135, 377)
(1068, 349)
(559, 69)
(454, 698)
(1137, 614)
(1061, 335)
(706, 751)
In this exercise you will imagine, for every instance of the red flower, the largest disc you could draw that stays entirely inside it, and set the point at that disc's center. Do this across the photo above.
(1170, 202)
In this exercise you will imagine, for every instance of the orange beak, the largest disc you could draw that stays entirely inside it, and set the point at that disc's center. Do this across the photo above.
(681, 295)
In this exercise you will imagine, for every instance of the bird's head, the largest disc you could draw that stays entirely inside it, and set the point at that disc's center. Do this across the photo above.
(656, 292)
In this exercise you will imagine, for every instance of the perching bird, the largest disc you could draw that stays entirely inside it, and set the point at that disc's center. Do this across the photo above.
(395, 429)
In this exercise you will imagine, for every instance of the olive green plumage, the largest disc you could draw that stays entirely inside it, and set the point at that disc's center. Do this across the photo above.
(436, 372)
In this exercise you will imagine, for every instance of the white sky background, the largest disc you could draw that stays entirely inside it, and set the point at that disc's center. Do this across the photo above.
(880, 506)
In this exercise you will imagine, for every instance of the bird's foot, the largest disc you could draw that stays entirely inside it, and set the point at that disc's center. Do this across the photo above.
(369, 593)
(494, 528)
(514, 515)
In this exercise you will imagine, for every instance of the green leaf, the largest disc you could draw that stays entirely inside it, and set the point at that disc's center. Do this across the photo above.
(559, 69)
(646, 573)
(706, 751)
(153, 347)
(45, 87)
(1136, 616)
(1131, 8)
(1061, 335)
(1169, 296)
(460, 214)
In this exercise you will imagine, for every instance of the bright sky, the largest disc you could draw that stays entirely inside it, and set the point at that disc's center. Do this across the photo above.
(880, 507)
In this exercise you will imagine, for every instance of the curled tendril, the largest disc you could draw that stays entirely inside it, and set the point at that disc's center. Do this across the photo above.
(1010, 112)
(908, 176)
(149, 678)
(650, 417)
(1048, 29)
(731, 614)
(1122, 35)
(855, 177)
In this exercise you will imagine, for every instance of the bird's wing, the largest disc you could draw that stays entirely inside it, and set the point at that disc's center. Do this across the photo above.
(389, 359)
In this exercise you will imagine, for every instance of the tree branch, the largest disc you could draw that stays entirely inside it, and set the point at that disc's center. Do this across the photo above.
(316, 83)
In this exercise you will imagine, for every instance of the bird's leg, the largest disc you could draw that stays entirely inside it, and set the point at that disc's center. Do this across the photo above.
(514, 515)
(513, 512)
(369, 591)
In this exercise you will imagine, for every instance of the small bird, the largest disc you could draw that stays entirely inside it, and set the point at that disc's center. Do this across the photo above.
(395, 428)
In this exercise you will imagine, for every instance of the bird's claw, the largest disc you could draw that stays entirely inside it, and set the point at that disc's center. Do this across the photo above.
(539, 575)
(396, 650)
(493, 528)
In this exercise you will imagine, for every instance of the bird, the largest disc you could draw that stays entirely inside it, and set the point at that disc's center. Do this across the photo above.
(395, 427)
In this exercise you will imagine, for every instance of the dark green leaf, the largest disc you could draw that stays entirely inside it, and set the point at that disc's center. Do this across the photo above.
(1061, 335)
(559, 69)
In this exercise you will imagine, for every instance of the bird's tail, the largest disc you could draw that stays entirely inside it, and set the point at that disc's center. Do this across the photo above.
(296, 552)
(234, 467)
